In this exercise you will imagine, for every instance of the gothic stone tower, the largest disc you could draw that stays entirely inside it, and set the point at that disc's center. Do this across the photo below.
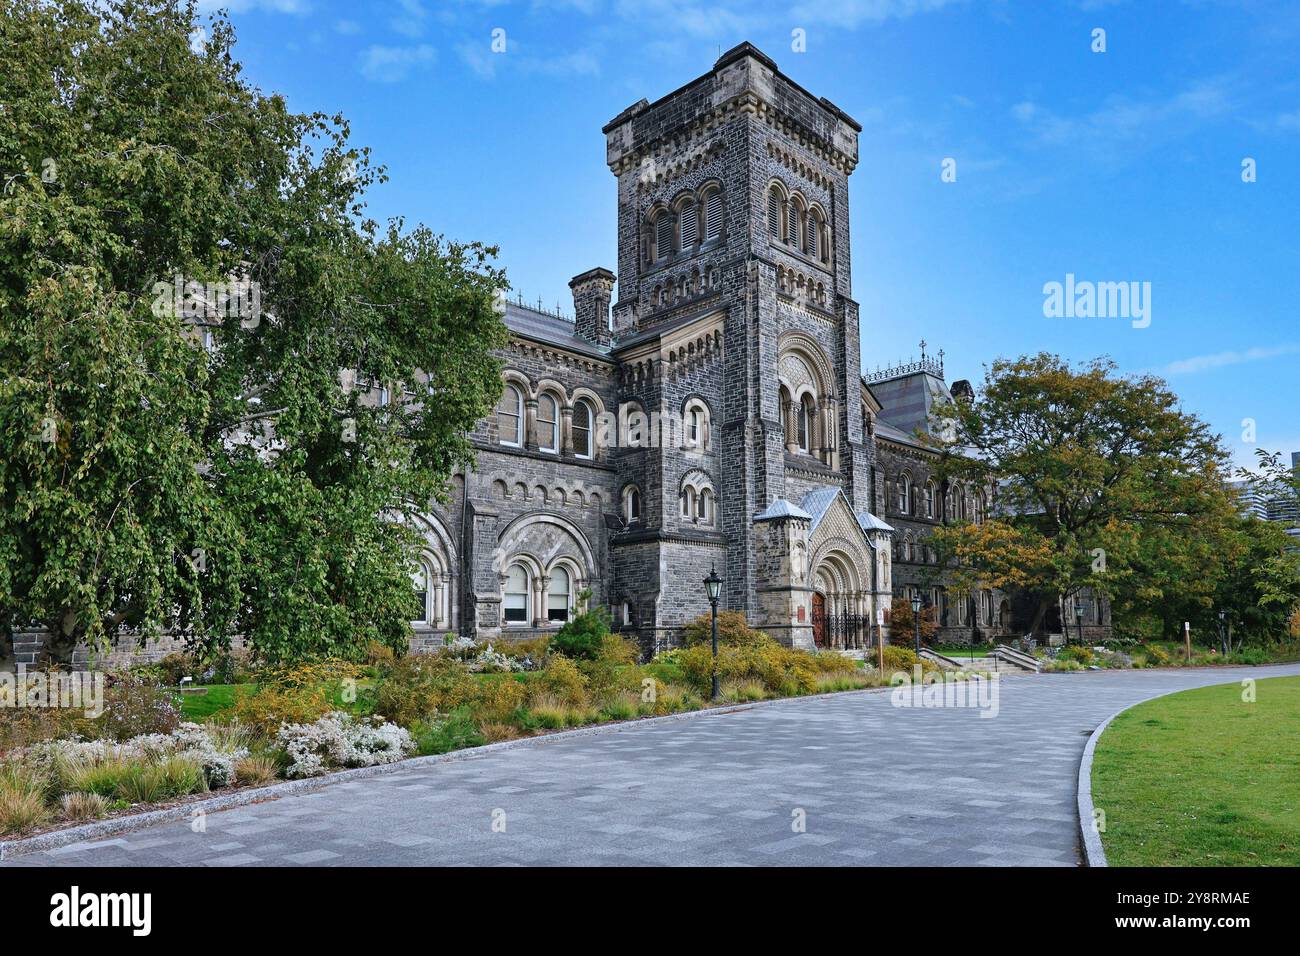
(734, 315)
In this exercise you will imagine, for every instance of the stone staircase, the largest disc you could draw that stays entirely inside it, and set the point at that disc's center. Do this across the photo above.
(1001, 661)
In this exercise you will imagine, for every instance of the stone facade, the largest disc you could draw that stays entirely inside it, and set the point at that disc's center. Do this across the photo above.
(713, 415)
(706, 419)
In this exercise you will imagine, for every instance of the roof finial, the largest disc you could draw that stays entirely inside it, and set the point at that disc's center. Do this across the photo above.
(923, 350)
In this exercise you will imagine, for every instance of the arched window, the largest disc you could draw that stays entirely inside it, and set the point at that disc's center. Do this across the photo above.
(690, 224)
(807, 426)
(814, 235)
(582, 419)
(632, 504)
(904, 493)
(558, 595)
(420, 594)
(705, 507)
(663, 235)
(695, 428)
(517, 596)
(774, 213)
(931, 498)
(713, 214)
(510, 417)
(792, 216)
(548, 424)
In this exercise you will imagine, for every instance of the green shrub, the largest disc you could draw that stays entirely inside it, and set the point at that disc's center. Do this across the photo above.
(419, 686)
(733, 631)
(583, 634)
(1157, 656)
(498, 699)
(271, 705)
(901, 658)
(561, 679)
(1075, 652)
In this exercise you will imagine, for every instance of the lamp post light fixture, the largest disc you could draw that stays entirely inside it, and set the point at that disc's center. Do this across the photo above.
(1223, 630)
(1078, 620)
(916, 618)
(713, 587)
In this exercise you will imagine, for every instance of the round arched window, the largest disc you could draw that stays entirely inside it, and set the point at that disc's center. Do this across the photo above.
(515, 607)
(559, 593)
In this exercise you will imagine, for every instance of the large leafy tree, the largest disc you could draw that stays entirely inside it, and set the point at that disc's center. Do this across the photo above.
(185, 463)
(1096, 474)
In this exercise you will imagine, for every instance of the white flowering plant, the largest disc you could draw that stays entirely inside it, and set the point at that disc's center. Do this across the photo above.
(341, 740)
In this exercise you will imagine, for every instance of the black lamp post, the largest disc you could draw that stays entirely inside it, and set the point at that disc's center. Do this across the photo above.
(1078, 620)
(1223, 632)
(713, 585)
(916, 618)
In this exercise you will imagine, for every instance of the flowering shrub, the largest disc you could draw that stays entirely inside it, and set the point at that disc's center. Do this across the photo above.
(489, 661)
(340, 740)
(133, 706)
(215, 749)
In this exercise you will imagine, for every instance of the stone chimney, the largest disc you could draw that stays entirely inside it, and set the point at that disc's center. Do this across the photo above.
(962, 390)
(591, 295)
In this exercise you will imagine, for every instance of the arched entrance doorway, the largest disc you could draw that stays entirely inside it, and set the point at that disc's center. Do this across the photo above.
(819, 618)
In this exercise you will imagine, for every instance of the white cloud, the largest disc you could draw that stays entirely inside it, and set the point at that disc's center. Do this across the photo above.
(391, 64)
(1205, 363)
(479, 57)
(412, 19)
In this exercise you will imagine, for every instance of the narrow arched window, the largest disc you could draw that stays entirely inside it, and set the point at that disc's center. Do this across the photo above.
(517, 597)
(420, 594)
(813, 235)
(688, 503)
(807, 428)
(774, 213)
(792, 224)
(558, 595)
(663, 235)
(930, 493)
(510, 417)
(582, 429)
(713, 215)
(548, 424)
(690, 222)
(705, 512)
(632, 504)
(904, 493)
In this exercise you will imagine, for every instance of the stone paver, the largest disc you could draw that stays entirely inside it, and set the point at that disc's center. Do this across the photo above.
(875, 785)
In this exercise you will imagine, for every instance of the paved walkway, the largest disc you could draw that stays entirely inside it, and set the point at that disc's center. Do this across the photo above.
(872, 783)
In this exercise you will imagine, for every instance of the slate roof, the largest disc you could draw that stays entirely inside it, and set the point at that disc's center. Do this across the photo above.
(870, 522)
(550, 330)
(906, 401)
(817, 502)
(781, 509)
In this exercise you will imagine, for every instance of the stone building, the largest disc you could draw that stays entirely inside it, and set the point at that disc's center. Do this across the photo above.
(713, 415)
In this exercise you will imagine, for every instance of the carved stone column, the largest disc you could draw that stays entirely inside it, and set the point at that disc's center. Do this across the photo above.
(541, 585)
(566, 431)
(530, 424)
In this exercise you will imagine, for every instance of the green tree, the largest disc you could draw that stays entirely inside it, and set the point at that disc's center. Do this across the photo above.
(1093, 471)
(198, 464)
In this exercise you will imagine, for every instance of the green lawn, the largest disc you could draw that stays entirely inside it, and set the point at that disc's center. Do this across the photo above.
(958, 651)
(198, 707)
(1202, 778)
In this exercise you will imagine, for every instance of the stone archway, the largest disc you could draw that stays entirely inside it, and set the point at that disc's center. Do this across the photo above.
(837, 581)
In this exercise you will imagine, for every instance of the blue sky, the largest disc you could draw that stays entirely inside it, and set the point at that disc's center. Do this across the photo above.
(1123, 165)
